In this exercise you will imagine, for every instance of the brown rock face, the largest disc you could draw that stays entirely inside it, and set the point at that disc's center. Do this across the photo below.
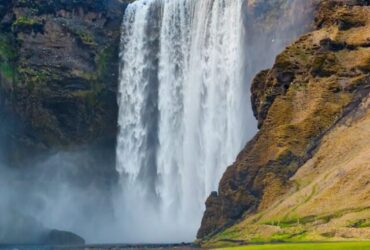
(314, 83)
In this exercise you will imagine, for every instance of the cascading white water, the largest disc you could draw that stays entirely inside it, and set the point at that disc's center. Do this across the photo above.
(184, 108)
(181, 105)
(200, 102)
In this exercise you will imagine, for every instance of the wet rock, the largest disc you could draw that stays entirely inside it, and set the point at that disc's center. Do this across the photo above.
(57, 237)
(20, 228)
(64, 57)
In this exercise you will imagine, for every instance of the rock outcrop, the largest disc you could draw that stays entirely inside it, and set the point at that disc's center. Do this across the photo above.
(57, 237)
(306, 106)
(58, 75)
(18, 228)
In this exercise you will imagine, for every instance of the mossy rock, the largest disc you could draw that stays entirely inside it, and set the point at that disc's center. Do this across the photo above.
(27, 24)
(7, 57)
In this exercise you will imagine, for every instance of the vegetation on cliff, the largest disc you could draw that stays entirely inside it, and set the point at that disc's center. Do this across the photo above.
(303, 177)
(306, 246)
(305, 174)
(58, 74)
(58, 115)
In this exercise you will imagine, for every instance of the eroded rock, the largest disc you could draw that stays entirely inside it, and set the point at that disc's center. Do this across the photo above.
(314, 83)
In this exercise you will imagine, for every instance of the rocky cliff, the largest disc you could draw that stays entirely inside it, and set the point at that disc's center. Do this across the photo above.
(58, 75)
(58, 112)
(305, 175)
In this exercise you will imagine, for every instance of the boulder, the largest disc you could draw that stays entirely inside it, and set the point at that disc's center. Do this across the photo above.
(57, 237)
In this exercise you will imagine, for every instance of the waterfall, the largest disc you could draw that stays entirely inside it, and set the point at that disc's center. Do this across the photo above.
(181, 102)
(184, 109)
(201, 97)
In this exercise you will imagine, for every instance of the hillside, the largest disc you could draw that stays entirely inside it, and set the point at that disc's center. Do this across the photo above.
(305, 175)
(119, 117)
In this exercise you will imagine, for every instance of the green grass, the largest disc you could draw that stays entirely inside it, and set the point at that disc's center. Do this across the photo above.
(361, 223)
(307, 246)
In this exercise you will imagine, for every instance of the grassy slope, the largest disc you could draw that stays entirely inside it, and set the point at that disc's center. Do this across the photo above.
(323, 246)
(329, 195)
(331, 198)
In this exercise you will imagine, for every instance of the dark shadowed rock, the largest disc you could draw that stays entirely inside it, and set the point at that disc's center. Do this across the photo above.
(58, 83)
(58, 74)
(57, 237)
(19, 228)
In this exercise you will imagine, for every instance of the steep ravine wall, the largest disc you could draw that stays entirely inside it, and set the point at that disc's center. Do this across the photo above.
(58, 115)
(314, 85)
(58, 75)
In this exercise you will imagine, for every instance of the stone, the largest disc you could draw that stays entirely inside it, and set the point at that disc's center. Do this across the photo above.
(57, 237)
(314, 84)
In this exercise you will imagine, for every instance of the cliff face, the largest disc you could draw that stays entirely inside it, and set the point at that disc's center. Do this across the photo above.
(58, 83)
(58, 74)
(292, 178)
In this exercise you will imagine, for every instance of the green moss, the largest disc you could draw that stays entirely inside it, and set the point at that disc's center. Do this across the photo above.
(288, 237)
(257, 239)
(25, 21)
(340, 213)
(363, 223)
(98, 79)
(229, 234)
(291, 222)
(7, 57)
(103, 60)
(283, 60)
(86, 38)
(307, 246)
(328, 234)
(35, 78)
(295, 53)
(7, 52)
(326, 64)
(318, 62)
(7, 71)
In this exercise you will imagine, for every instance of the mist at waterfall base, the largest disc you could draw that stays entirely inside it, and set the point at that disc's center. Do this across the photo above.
(54, 194)
(184, 115)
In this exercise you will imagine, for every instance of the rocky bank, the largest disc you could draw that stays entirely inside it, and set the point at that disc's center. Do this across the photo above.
(305, 175)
